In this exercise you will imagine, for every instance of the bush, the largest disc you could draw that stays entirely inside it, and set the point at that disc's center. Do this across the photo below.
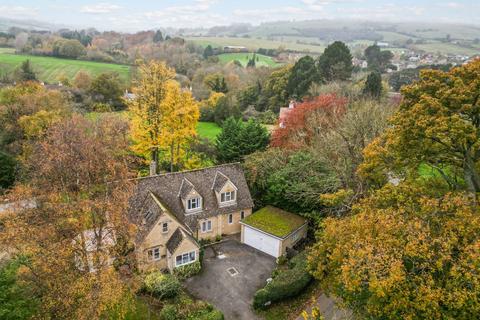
(169, 312)
(162, 285)
(187, 271)
(285, 284)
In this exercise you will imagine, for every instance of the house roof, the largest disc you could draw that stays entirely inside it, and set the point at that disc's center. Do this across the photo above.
(176, 239)
(275, 221)
(166, 188)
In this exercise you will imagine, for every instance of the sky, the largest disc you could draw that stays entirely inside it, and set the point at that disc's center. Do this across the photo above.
(151, 14)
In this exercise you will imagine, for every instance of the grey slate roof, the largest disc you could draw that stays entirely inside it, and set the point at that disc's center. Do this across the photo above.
(185, 188)
(175, 240)
(219, 182)
(167, 188)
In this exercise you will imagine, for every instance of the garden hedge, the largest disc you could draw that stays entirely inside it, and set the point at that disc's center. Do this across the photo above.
(286, 283)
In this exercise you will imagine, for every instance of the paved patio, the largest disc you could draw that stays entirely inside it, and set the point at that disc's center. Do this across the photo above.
(232, 273)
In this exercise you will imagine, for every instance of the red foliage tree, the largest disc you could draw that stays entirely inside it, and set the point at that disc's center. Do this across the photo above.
(300, 123)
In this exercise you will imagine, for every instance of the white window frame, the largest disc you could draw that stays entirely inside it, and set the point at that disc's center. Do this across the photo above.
(230, 218)
(198, 204)
(206, 226)
(163, 227)
(232, 196)
(152, 252)
(186, 257)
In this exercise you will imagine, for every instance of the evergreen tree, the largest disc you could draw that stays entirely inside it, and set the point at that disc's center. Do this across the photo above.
(373, 85)
(158, 37)
(302, 75)
(239, 139)
(26, 72)
(208, 52)
(251, 62)
(7, 170)
(377, 59)
(335, 63)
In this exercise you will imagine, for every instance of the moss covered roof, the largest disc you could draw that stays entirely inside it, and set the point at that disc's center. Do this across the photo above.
(275, 221)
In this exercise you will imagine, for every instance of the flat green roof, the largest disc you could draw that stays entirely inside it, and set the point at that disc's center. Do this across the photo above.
(275, 221)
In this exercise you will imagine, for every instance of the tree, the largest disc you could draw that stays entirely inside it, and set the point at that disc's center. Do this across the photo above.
(208, 52)
(303, 74)
(274, 93)
(158, 37)
(252, 62)
(26, 72)
(216, 82)
(107, 88)
(373, 85)
(68, 48)
(238, 139)
(436, 126)
(335, 63)
(81, 184)
(377, 59)
(7, 170)
(163, 116)
(82, 80)
(406, 252)
(292, 180)
(296, 132)
(225, 109)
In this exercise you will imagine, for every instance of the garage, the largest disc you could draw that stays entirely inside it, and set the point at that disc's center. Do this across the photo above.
(261, 241)
(273, 230)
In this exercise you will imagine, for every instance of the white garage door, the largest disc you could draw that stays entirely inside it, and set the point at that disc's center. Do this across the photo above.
(261, 241)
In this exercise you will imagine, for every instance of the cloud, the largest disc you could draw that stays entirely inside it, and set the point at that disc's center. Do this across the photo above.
(18, 12)
(100, 8)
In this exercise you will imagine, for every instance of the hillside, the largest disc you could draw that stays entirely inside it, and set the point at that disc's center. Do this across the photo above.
(243, 58)
(49, 69)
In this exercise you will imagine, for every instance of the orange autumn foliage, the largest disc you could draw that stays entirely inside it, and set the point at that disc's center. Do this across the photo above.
(301, 122)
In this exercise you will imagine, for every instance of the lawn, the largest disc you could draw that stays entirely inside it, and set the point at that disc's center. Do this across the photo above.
(208, 130)
(49, 69)
(262, 61)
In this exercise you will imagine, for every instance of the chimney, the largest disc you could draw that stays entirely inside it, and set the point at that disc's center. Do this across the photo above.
(153, 168)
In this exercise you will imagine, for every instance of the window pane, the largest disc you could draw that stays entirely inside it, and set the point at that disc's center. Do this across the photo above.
(156, 253)
(178, 260)
(192, 256)
(209, 224)
(242, 215)
(149, 254)
(230, 218)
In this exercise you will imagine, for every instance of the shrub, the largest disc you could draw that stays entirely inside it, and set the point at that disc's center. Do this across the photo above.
(187, 271)
(169, 312)
(161, 285)
(218, 238)
(282, 260)
(286, 283)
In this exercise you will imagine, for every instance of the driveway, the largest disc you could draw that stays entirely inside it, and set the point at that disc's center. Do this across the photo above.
(231, 290)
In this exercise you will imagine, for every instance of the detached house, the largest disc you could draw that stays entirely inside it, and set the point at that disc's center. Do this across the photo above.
(175, 210)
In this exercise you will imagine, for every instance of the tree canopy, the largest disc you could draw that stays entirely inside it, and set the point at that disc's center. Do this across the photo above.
(335, 63)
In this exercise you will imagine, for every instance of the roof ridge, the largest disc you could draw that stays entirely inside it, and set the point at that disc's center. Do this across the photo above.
(187, 171)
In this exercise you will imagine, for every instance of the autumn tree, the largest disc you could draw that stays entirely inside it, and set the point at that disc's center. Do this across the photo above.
(405, 252)
(107, 88)
(80, 185)
(82, 80)
(436, 126)
(274, 93)
(295, 133)
(216, 82)
(164, 116)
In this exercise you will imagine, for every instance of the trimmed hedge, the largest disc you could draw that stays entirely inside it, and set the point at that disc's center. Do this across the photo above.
(286, 283)
(188, 270)
(161, 285)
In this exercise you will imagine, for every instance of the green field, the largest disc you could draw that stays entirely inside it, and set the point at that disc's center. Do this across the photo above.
(254, 43)
(49, 69)
(208, 130)
(263, 61)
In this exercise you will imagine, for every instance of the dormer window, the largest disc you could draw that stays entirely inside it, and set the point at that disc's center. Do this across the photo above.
(228, 196)
(194, 204)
